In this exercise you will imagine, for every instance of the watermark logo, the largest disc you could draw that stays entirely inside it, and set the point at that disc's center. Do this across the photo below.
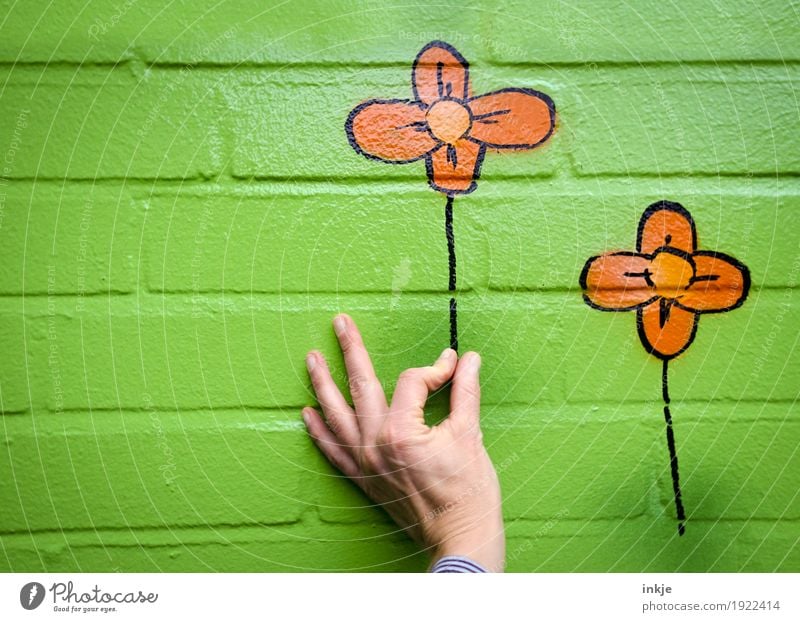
(31, 595)
(68, 598)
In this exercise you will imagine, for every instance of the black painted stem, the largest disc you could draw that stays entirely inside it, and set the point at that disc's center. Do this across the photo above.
(673, 454)
(451, 262)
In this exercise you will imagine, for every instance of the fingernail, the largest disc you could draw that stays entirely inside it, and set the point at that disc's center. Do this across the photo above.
(474, 361)
(311, 361)
(340, 325)
(306, 415)
(445, 354)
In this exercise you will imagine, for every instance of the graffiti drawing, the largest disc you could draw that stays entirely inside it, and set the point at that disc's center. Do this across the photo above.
(450, 129)
(669, 284)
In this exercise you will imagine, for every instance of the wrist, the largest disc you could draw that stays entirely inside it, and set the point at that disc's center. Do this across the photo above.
(485, 545)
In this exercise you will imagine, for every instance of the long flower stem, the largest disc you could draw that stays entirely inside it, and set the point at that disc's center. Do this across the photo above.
(451, 262)
(673, 454)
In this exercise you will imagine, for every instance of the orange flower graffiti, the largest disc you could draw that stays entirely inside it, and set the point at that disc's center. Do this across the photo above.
(669, 283)
(445, 125)
(450, 129)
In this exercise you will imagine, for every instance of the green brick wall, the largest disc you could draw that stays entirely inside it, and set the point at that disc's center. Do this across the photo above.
(181, 215)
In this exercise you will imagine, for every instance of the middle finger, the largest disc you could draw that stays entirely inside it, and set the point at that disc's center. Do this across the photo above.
(340, 417)
(368, 396)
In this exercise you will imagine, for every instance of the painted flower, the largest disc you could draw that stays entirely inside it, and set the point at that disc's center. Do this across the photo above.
(445, 125)
(667, 281)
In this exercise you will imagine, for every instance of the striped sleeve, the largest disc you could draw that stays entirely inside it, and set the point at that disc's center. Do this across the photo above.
(456, 563)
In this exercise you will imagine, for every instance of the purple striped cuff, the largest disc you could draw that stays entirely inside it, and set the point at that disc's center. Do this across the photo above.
(456, 563)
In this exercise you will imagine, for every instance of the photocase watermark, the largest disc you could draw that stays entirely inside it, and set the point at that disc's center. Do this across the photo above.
(622, 356)
(168, 468)
(733, 24)
(10, 156)
(183, 74)
(16, 140)
(785, 306)
(472, 490)
(677, 133)
(53, 355)
(527, 545)
(198, 262)
(67, 599)
(101, 26)
(31, 595)
(83, 250)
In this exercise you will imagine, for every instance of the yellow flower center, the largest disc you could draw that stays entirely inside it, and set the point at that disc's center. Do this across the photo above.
(448, 120)
(670, 274)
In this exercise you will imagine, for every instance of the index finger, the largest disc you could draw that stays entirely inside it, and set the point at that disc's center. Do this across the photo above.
(365, 388)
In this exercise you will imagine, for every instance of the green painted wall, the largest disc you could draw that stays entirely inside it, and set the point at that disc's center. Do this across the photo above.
(181, 215)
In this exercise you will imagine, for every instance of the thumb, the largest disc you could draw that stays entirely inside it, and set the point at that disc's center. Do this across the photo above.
(465, 394)
(415, 384)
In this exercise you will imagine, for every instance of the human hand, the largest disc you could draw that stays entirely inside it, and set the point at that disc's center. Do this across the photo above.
(438, 483)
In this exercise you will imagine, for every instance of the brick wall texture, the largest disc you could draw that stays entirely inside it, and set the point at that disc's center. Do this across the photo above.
(181, 215)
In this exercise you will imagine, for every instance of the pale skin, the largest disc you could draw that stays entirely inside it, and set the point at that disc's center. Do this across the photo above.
(438, 483)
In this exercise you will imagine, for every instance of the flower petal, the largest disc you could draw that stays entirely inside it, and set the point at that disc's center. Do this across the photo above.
(720, 284)
(440, 71)
(616, 282)
(666, 224)
(665, 329)
(512, 118)
(392, 130)
(453, 169)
